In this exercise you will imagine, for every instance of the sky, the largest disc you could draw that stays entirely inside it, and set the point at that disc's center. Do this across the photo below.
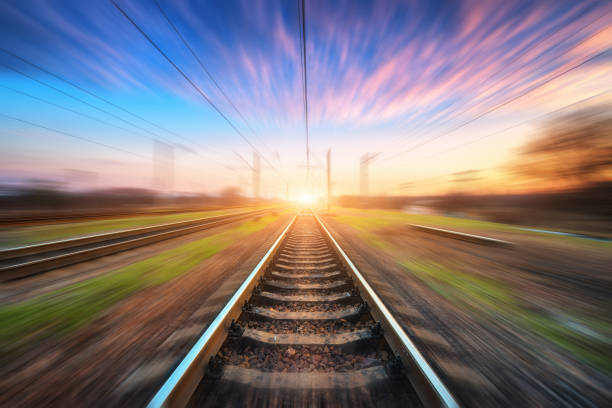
(432, 90)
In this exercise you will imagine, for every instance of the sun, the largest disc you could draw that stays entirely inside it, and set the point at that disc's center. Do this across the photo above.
(306, 199)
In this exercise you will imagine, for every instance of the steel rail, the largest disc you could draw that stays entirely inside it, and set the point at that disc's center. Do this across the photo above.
(26, 250)
(73, 216)
(428, 385)
(181, 384)
(183, 381)
(48, 262)
(462, 236)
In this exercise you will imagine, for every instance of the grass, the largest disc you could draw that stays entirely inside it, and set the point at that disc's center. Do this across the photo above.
(479, 294)
(371, 220)
(74, 306)
(12, 237)
(490, 299)
(367, 228)
(378, 218)
(484, 297)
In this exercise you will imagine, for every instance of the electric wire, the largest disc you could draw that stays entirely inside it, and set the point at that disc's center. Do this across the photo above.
(210, 76)
(81, 88)
(513, 60)
(504, 103)
(302, 36)
(196, 87)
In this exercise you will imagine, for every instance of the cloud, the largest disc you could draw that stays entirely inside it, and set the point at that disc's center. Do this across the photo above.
(396, 64)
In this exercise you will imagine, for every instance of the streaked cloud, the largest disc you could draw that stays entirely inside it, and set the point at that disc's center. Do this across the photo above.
(395, 65)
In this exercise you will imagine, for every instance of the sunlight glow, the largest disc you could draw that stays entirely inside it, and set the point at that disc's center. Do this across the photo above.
(306, 199)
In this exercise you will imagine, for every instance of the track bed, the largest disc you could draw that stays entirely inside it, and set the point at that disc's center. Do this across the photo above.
(305, 338)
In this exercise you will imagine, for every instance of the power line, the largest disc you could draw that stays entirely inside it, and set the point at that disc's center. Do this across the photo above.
(155, 136)
(57, 105)
(63, 79)
(504, 103)
(537, 58)
(210, 76)
(409, 184)
(514, 59)
(76, 98)
(197, 88)
(249, 165)
(521, 123)
(50, 129)
(72, 135)
(302, 30)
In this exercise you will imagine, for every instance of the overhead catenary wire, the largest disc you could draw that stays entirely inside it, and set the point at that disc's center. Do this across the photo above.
(106, 112)
(513, 59)
(249, 165)
(210, 76)
(555, 111)
(504, 103)
(80, 100)
(60, 106)
(93, 94)
(82, 114)
(302, 36)
(153, 136)
(574, 47)
(195, 86)
(521, 123)
(86, 139)
(72, 135)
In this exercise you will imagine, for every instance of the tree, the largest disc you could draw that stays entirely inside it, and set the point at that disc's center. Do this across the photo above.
(575, 149)
(231, 192)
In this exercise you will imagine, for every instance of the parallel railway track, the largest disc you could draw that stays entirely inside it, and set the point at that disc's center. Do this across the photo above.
(304, 330)
(17, 263)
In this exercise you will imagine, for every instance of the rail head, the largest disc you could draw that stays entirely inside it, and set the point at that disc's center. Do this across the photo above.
(179, 387)
(67, 243)
(463, 236)
(429, 385)
(48, 262)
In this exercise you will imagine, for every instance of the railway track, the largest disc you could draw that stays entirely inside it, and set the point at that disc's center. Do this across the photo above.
(304, 330)
(21, 262)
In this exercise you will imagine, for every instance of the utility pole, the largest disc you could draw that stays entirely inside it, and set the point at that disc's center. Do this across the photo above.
(307, 161)
(364, 163)
(256, 174)
(163, 166)
(328, 180)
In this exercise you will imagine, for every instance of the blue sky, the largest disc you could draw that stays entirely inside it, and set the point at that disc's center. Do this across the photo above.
(382, 77)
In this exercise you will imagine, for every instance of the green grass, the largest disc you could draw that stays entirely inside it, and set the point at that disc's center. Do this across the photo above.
(381, 218)
(372, 220)
(484, 297)
(595, 350)
(480, 294)
(12, 237)
(489, 299)
(74, 306)
(367, 227)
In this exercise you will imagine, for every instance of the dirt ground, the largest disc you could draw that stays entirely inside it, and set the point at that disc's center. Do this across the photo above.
(492, 361)
(124, 356)
(22, 289)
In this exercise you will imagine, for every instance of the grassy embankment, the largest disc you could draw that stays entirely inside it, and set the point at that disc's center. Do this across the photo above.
(586, 337)
(74, 306)
(18, 236)
(467, 225)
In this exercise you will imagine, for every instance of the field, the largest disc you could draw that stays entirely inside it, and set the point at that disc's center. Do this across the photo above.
(18, 236)
(547, 285)
(71, 307)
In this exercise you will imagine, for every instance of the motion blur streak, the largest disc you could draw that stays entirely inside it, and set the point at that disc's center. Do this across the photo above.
(459, 152)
